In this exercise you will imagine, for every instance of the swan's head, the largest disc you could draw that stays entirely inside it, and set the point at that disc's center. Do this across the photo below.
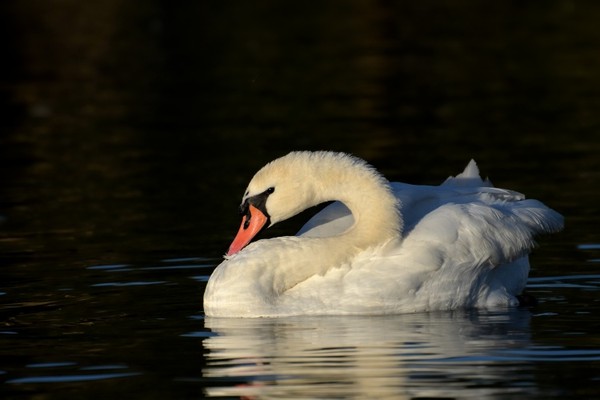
(278, 191)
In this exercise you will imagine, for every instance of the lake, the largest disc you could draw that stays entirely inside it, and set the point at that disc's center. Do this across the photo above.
(129, 133)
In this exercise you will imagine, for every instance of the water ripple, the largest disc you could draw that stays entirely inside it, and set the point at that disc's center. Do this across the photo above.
(566, 281)
(125, 284)
(51, 365)
(549, 354)
(589, 246)
(71, 378)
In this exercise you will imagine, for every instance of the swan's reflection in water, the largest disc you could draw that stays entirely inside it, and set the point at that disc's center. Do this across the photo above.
(452, 354)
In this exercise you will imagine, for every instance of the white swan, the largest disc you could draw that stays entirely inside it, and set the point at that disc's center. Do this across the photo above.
(381, 248)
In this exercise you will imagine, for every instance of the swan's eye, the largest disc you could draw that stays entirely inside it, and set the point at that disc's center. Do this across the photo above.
(270, 190)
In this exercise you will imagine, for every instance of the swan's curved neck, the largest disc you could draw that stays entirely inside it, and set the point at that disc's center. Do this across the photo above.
(369, 197)
(375, 210)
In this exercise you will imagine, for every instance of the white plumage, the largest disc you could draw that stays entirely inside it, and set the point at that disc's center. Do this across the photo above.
(381, 247)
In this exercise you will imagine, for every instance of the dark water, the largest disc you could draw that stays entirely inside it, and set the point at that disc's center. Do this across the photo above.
(129, 131)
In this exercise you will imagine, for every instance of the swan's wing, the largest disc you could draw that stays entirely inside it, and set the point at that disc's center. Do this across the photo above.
(486, 231)
(419, 200)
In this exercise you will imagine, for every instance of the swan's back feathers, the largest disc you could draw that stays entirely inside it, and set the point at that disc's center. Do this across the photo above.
(483, 233)
(471, 222)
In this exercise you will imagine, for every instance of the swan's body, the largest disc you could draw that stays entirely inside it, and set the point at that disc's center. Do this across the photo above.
(380, 248)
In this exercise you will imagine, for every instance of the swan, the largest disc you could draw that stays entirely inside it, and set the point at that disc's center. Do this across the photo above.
(379, 248)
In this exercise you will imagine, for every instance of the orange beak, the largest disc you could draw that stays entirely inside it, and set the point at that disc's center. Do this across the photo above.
(252, 223)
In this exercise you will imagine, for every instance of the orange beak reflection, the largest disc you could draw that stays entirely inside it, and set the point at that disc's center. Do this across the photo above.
(252, 223)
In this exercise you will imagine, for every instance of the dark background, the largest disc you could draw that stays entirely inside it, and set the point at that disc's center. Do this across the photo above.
(129, 129)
